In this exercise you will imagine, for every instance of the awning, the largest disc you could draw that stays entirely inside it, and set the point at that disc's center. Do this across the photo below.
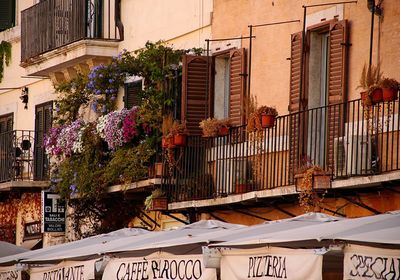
(29, 244)
(159, 266)
(64, 270)
(271, 263)
(7, 249)
(9, 272)
(364, 262)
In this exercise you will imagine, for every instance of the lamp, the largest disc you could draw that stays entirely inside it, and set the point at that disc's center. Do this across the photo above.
(25, 97)
(376, 9)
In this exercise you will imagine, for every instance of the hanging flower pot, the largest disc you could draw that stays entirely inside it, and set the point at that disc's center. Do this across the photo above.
(167, 142)
(376, 95)
(389, 94)
(180, 140)
(390, 87)
(365, 99)
(267, 121)
(159, 203)
(223, 130)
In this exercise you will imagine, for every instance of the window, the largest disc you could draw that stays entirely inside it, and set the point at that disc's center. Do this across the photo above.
(6, 123)
(324, 84)
(213, 86)
(132, 94)
(43, 122)
(7, 14)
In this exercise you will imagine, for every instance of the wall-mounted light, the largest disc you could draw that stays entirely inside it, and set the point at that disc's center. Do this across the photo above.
(25, 97)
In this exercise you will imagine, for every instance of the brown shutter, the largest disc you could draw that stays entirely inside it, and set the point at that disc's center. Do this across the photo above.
(237, 86)
(131, 97)
(6, 123)
(294, 101)
(336, 83)
(43, 122)
(7, 14)
(196, 93)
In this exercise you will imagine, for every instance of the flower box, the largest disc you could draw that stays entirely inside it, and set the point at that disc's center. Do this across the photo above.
(159, 204)
(321, 181)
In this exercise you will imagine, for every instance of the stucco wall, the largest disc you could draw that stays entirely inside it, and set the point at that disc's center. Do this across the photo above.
(271, 47)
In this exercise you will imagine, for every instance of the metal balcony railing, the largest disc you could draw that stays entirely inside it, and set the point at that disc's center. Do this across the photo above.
(21, 159)
(345, 139)
(51, 24)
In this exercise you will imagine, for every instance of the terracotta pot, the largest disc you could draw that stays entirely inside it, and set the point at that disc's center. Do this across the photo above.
(321, 181)
(180, 140)
(159, 203)
(267, 121)
(389, 94)
(241, 188)
(365, 99)
(223, 131)
(377, 96)
(167, 142)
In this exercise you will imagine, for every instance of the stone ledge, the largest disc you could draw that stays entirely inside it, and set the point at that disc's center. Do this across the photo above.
(353, 182)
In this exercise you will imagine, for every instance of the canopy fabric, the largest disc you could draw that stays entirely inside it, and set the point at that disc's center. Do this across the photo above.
(159, 265)
(379, 228)
(127, 243)
(271, 263)
(81, 244)
(7, 249)
(239, 232)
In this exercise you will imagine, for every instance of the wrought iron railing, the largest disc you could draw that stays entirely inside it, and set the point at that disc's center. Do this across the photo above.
(51, 24)
(345, 139)
(21, 159)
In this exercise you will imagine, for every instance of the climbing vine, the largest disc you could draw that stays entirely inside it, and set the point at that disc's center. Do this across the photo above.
(5, 56)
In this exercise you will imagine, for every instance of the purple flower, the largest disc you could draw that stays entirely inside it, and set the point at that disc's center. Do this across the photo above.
(73, 188)
(94, 107)
(113, 97)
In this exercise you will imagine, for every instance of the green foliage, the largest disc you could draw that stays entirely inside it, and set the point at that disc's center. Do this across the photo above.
(128, 164)
(72, 97)
(5, 56)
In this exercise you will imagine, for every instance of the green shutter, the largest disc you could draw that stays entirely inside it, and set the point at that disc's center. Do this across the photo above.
(7, 14)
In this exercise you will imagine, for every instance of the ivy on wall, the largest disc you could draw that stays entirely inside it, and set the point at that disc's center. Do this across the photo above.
(5, 56)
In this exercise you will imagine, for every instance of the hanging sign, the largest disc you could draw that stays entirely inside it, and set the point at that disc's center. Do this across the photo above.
(66, 270)
(9, 273)
(362, 262)
(271, 263)
(159, 266)
(53, 212)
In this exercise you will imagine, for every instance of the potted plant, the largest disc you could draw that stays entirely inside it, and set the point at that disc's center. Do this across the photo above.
(262, 117)
(390, 87)
(313, 177)
(242, 185)
(210, 127)
(179, 132)
(156, 201)
(224, 126)
(369, 81)
(167, 140)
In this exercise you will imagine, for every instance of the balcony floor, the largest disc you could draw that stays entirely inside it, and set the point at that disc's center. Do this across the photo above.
(350, 183)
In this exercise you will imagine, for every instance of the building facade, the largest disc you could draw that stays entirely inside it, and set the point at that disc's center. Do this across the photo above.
(305, 59)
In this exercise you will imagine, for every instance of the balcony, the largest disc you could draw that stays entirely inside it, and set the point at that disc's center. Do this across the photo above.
(23, 163)
(57, 34)
(355, 144)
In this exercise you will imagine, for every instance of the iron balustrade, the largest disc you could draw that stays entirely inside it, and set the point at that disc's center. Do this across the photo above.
(51, 24)
(345, 139)
(21, 159)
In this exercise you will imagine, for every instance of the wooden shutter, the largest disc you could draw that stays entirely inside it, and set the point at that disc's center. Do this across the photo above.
(131, 96)
(237, 86)
(294, 102)
(6, 123)
(196, 93)
(7, 14)
(43, 122)
(337, 79)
